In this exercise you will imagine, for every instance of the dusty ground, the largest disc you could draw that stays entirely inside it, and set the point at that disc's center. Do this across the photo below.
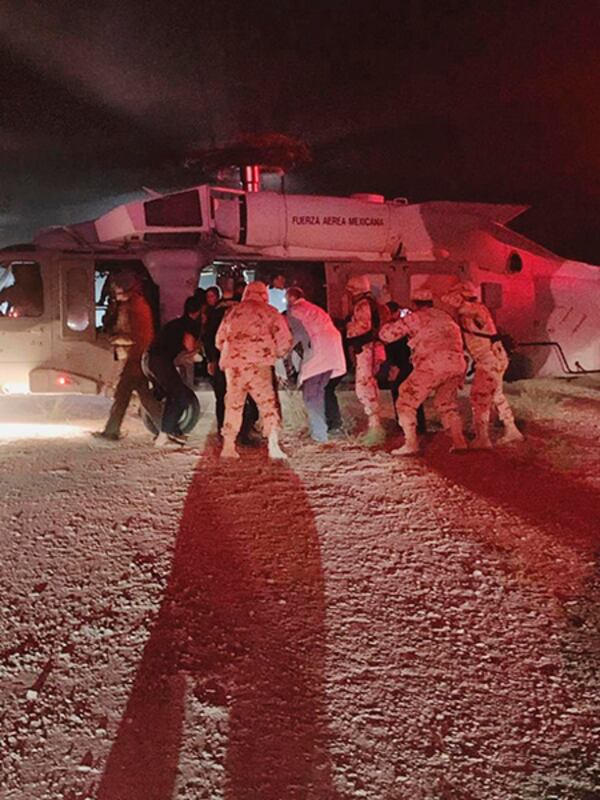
(350, 625)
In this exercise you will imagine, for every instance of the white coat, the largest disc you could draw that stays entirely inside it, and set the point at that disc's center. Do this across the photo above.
(321, 340)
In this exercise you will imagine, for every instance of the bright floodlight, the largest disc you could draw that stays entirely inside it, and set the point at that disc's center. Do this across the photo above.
(12, 431)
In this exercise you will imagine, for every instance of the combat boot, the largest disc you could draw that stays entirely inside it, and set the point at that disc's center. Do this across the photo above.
(375, 433)
(511, 433)
(459, 442)
(408, 423)
(482, 437)
(229, 450)
(275, 451)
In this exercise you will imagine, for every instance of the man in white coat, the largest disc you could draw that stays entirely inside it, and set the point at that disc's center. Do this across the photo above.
(322, 358)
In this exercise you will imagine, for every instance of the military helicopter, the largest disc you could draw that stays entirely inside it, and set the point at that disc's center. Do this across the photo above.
(53, 291)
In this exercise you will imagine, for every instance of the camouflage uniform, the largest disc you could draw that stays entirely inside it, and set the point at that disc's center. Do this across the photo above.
(252, 336)
(491, 361)
(439, 367)
(366, 384)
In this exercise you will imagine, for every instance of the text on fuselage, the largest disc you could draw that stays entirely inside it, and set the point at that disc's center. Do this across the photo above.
(315, 219)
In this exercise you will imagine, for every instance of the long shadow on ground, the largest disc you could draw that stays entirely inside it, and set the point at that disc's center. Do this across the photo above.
(541, 493)
(243, 619)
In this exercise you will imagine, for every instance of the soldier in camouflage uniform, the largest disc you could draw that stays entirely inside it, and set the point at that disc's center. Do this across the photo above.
(361, 332)
(252, 336)
(491, 361)
(439, 367)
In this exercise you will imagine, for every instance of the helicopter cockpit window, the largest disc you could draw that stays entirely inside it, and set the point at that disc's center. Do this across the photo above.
(21, 290)
(78, 300)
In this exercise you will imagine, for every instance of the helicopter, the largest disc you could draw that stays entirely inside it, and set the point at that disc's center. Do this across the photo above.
(53, 294)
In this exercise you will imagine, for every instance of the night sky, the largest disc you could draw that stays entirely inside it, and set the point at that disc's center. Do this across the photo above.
(484, 101)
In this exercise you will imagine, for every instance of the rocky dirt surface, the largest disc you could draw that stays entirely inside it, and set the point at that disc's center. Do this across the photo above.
(347, 625)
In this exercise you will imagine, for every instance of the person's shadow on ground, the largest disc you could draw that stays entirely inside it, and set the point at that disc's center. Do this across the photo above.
(243, 618)
(552, 497)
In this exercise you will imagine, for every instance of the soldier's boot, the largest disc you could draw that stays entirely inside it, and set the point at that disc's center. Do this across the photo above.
(511, 433)
(375, 433)
(275, 450)
(482, 436)
(229, 450)
(408, 423)
(459, 442)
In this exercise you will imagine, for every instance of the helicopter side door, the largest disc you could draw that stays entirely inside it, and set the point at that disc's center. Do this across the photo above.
(72, 365)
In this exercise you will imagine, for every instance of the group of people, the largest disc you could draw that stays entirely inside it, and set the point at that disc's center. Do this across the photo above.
(437, 336)
(415, 353)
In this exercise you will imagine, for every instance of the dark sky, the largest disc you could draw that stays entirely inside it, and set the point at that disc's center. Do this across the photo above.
(489, 101)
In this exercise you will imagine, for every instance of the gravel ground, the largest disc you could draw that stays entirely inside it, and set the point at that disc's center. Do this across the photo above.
(348, 625)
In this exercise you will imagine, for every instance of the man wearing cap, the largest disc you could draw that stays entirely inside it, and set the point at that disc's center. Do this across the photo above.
(361, 332)
(140, 332)
(439, 366)
(252, 336)
(491, 361)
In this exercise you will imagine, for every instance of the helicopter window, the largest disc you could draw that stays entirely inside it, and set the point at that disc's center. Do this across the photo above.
(78, 299)
(218, 273)
(514, 263)
(101, 289)
(379, 286)
(21, 290)
(181, 210)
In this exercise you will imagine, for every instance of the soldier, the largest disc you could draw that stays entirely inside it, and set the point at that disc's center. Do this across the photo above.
(491, 361)
(438, 366)
(216, 312)
(397, 366)
(361, 332)
(252, 336)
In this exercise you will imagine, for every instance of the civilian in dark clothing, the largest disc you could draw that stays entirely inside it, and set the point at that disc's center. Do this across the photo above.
(213, 294)
(238, 289)
(179, 335)
(200, 293)
(333, 415)
(136, 313)
(397, 367)
(216, 374)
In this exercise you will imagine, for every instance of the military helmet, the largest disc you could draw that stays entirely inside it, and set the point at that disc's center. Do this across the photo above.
(256, 290)
(467, 289)
(358, 284)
